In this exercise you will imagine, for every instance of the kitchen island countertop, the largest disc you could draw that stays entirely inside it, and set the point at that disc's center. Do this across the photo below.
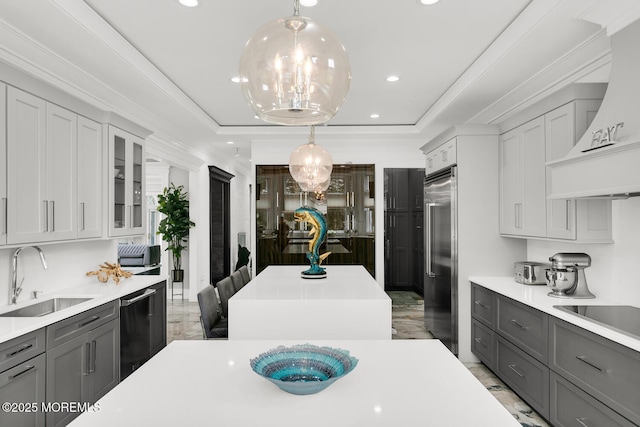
(401, 382)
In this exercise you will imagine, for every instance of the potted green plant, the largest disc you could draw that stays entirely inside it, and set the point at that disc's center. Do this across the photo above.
(175, 225)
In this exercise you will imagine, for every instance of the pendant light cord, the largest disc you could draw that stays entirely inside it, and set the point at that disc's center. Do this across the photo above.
(296, 7)
(312, 134)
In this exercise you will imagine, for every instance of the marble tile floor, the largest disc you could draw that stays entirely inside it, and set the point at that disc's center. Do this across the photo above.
(183, 319)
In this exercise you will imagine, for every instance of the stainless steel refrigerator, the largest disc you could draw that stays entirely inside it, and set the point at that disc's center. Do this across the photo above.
(441, 257)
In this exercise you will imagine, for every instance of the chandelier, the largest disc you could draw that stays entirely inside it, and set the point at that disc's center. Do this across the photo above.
(294, 71)
(311, 165)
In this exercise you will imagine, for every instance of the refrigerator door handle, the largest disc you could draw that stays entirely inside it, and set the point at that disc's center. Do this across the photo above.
(428, 232)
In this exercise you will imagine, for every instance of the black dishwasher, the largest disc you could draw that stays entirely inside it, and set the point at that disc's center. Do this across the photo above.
(142, 320)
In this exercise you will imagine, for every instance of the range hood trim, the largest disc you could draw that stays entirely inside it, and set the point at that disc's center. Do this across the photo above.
(608, 171)
(597, 166)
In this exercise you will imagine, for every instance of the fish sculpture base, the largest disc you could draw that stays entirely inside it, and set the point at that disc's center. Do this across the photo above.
(308, 274)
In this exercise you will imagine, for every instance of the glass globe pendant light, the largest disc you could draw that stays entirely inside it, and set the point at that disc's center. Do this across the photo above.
(311, 165)
(294, 71)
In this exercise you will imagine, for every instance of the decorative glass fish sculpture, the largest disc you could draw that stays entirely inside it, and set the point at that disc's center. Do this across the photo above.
(318, 234)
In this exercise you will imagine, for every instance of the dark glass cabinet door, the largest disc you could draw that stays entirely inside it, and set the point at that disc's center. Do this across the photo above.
(348, 205)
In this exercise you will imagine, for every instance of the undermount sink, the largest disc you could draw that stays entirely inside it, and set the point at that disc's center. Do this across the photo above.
(45, 307)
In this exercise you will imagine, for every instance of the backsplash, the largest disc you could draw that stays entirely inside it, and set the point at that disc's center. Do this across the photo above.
(612, 274)
(67, 263)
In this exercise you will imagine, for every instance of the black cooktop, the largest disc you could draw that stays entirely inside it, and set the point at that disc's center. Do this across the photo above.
(622, 318)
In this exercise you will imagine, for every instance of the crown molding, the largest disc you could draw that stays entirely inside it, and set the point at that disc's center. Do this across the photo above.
(509, 39)
(588, 56)
(95, 25)
(612, 15)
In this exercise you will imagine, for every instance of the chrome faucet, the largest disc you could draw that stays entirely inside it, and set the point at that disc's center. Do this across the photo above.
(15, 288)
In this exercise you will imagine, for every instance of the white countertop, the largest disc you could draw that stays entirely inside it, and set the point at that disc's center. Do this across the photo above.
(100, 293)
(283, 282)
(536, 296)
(401, 382)
(279, 304)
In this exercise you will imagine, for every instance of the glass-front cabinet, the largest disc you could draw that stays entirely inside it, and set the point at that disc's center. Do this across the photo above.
(126, 156)
(348, 205)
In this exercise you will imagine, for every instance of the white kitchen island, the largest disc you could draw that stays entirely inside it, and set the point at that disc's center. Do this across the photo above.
(396, 383)
(279, 304)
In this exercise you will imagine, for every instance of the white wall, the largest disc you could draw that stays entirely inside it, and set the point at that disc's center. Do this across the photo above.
(613, 274)
(383, 154)
(67, 263)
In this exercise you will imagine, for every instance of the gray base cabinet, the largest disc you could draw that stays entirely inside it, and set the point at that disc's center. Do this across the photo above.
(83, 360)
(571, 376)
(606, 370)
(571, 406)
(23, 386)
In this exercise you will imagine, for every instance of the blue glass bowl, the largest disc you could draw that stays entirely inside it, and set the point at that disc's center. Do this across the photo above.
(304, 368)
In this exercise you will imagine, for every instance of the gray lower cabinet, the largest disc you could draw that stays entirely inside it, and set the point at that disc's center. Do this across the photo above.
(569, 375)
(83, 360)
(524, 374)
(22, 387)
(604, 369)
(571, 407)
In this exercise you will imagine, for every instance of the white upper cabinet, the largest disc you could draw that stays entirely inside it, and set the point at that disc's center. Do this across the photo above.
(3, 164)
(90, 178)
(126, 183)
(522, 182)
(525, 210)
(61, 173)
(41, 170)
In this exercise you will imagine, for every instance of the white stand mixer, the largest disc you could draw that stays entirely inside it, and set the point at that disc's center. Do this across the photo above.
(566, 276)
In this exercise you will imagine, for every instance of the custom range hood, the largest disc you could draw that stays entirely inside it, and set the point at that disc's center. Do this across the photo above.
(605, 162)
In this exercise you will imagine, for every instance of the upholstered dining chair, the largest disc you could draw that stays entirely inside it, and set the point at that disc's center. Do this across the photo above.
(246, 276)
(213, 325)
(237, 280)
(226, 291)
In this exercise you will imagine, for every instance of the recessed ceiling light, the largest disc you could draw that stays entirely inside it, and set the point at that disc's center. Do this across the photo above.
(237, 79)
(189, 3)
(427, 2)
(309, 3)
(230, 142)
(374, 116)
(393, 79)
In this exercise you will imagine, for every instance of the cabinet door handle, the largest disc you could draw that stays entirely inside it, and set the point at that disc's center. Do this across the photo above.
(353, 198)
(348, 199)
(481, 304)
(13, 377)
(92, 366)
(513, 368)
(479, 341)
(20, 350)
(82, 216)
(567, 206)
(582, 423)
(52, 212)
(4, 215)
(515, 322)
(93, 319)
(277, 199)
(87, 358)
(46, 215)
(583, 359)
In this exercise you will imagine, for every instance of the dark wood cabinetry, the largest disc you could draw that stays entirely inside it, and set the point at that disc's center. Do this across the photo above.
(349, 209)
(404, 233)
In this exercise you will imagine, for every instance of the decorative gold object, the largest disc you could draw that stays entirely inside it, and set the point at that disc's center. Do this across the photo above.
(108, 270)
